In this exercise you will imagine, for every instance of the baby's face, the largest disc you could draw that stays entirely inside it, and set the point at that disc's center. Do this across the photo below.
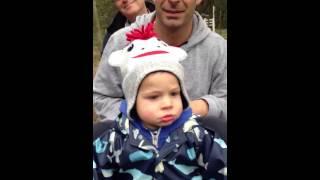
(159, 100)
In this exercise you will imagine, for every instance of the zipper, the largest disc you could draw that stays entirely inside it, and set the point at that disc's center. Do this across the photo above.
(155, 137)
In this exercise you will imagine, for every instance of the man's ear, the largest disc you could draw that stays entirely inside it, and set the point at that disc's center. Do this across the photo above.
(198, 2)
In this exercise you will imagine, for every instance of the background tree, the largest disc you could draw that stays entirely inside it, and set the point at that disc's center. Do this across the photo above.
(221, 13)
(96, 26)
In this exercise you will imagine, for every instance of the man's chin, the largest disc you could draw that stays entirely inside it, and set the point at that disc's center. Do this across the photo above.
(173, 23)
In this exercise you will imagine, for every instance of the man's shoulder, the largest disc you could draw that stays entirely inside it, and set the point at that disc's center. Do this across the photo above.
(119, 38)
(120, 35)
(213, 43)
(215, 38)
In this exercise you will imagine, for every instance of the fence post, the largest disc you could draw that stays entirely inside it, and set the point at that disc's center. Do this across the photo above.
(213, 19)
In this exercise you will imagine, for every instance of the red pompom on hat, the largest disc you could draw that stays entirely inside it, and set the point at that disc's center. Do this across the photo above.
(144, 33)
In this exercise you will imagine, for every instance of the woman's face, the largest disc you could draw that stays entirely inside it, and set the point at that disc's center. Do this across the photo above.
(131, 8)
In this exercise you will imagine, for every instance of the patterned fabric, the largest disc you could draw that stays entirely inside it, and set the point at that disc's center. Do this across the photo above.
(189, 152)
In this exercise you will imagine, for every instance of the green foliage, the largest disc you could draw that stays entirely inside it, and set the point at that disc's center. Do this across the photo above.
(106, 11)
(221, 12)
(222, 32)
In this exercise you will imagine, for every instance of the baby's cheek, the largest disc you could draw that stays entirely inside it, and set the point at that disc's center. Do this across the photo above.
(148, 114)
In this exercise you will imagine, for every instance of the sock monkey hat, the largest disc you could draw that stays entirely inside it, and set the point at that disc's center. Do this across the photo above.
(144, 55)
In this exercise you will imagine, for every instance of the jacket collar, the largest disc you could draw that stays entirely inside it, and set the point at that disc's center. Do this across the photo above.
(170, 137)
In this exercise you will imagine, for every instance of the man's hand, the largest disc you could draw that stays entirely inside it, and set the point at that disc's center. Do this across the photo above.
(199, 107)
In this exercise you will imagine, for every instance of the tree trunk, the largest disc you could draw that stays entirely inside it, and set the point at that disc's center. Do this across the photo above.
(97, 26)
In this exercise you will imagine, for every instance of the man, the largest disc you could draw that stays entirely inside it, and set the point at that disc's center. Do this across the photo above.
(176, 23)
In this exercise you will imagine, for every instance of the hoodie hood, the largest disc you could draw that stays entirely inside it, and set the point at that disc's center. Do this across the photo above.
(200, 30)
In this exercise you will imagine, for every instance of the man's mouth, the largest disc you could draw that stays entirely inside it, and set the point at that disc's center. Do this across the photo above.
(173, 11)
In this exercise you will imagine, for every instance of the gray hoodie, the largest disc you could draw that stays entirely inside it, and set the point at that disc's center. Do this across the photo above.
(205, 73)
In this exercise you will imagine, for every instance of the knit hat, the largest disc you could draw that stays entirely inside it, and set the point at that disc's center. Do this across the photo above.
(142, 57)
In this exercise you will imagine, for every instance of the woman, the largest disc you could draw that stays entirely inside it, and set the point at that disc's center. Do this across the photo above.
(128, 10)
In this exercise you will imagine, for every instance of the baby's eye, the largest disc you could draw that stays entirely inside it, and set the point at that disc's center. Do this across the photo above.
(175, 93)
(151, 97)
(130, 48)
(142, 48)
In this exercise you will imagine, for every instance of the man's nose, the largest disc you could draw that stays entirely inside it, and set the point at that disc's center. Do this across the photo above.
(174, 1)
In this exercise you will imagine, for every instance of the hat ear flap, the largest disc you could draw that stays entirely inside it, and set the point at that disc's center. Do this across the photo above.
(117, 58)
(178, 53)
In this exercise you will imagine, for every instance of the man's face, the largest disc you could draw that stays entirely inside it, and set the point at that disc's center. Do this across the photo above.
(130, 8)
(175, 13)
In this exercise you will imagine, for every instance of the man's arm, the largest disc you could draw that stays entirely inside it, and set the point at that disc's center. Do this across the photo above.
(107, 91)
(199, 107)
(105, 40)
(216, 117)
